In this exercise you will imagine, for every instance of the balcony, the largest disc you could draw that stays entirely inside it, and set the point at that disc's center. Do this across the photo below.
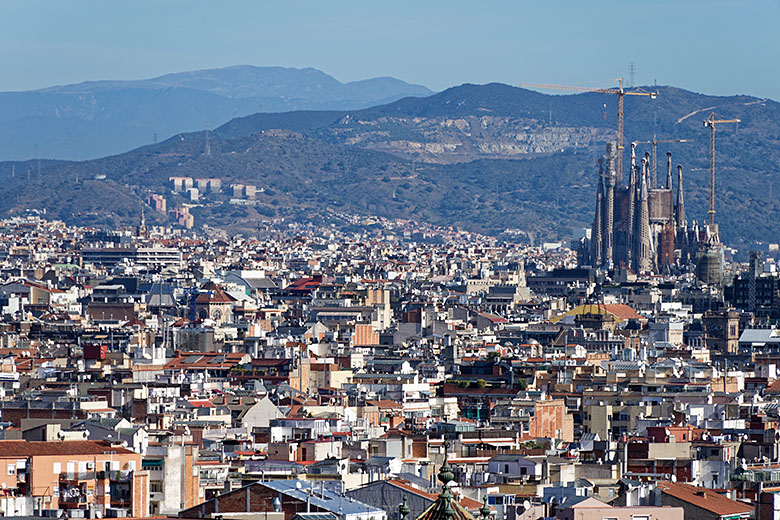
(72, 502)
(84, 476)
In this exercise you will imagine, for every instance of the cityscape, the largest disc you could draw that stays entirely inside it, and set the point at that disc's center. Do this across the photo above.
(261, 293)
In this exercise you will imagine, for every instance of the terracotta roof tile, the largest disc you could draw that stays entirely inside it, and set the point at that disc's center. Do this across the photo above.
(704, 498)
(31, 448)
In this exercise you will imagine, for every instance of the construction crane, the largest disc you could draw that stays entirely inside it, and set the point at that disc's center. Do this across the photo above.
(620, 91)
(711, 122)
(655, 142)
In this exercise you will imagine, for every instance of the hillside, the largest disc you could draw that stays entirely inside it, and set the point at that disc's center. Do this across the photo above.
(488, 122)
(482, 157)
(98, 118)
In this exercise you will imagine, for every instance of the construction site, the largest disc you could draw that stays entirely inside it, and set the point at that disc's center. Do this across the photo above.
(639, 223)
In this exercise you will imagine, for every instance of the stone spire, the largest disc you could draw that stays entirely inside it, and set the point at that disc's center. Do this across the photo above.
(609, 210)
(650, 185)
(596, 234)
(644, 260)
(680, 210)
(631, 207)
(668, 170)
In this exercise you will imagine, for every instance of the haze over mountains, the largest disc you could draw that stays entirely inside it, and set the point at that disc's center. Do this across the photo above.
(98, 118)
(483, 157)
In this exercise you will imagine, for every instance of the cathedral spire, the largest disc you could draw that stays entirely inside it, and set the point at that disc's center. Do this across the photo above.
(609, 210)
(680, 213)
(631, 207)
(596, 234)
(644, 263)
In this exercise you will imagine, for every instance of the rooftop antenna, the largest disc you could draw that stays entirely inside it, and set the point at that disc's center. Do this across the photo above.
(208, 148)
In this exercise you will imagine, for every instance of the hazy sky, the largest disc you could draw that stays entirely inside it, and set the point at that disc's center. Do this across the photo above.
(712, 46)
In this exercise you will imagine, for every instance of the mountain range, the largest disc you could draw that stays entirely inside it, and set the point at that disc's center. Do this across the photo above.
(99, 118)
(482, 157)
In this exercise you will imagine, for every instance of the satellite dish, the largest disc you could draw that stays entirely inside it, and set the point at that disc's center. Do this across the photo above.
(526, 505)
(298, 485)
(674, 478)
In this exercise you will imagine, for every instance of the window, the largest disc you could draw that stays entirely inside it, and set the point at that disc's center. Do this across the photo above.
(11, 469)
(57, 468)
(524, 471)
(640, 517)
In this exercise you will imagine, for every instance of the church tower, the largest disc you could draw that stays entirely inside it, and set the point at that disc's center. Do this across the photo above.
(680, 209)
(597, 218)
(609, 209)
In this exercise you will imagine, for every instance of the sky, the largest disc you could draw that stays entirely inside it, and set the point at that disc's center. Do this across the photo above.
(711, 46)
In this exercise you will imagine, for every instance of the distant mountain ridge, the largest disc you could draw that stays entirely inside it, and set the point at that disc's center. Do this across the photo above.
(99, 118)
(482, 157)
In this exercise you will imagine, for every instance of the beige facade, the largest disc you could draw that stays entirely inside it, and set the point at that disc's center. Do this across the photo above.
(75, 475)
(593, 509)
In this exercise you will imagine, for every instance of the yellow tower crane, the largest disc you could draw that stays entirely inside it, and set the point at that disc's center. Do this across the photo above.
(620, 91)
(655, 142)
(711, 122)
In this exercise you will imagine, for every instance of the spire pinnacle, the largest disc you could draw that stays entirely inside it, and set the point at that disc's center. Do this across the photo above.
(484, 511)
(445, 472)
(403, 509)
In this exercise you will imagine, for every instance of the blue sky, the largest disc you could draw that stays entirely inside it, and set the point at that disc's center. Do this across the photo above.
(712, 46)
